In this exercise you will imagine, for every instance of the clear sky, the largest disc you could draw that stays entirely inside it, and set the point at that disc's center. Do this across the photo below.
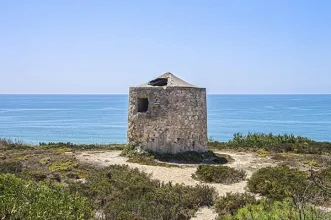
(105, 46)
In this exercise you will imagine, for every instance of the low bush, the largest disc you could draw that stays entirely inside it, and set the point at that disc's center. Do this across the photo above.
(45, 160)
(219, 174)
(62, 166)
(322, 181)
(11, 167)
(124, 193)
(137, 155)
(7, 143)
(231, 202)
(276, 210)
(323, 176)
(273, 143)
(131, 149)
(21, 199)
(67, 146)
(278, 182)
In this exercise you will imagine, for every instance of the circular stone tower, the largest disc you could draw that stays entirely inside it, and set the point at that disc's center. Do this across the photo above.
(168, 115)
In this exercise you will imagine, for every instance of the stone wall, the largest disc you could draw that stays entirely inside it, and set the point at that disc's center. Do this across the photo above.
(176, 119)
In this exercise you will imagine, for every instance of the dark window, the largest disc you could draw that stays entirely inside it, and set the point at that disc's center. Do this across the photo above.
(142, 104)
(159, 82)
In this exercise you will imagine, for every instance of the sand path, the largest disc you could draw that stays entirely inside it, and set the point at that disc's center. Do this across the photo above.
(246, 161)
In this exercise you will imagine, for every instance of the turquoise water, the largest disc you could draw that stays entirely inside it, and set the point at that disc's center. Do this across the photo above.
(103, 118)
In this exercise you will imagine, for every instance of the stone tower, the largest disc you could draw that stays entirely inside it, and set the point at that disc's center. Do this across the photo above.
(168, 115)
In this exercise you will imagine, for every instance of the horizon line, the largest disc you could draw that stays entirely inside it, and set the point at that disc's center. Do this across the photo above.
(128, 94)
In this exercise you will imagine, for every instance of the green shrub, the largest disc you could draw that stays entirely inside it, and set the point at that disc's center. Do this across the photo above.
(124, 193)
(166, 202)
(140, 156)
(231, 202)
(219, 174)
(323, 176)
(278, 182)
(45, 160)
(11, 167)
(62, 166)
(273, 143)
(285, 209)
(21, 199)
(321, 180)
(130, 149)
(70, 146)
(7, 143)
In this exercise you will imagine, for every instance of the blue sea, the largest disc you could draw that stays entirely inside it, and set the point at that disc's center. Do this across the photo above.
(103, 118)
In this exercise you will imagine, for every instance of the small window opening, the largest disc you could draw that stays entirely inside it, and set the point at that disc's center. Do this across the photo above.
(159, 82)
(142, 104)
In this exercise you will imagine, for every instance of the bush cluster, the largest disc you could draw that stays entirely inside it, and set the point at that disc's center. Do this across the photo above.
(82, 146)
(284, 183)
(124, 193)
(323, 176)
(21, 199)
(229, 204)
(278, 182)
(6, 143)
(276, 210)
(274, 143)
(246, 207)
(62, 166)
(18, 144)
(219, 174)
(11, 167)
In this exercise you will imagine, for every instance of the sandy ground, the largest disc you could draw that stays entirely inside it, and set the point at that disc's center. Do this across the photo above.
(246, 161)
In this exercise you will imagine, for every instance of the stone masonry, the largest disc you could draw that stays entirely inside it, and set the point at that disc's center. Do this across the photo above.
(168, 115)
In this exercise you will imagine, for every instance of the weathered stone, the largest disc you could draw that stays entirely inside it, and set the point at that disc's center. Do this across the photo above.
(170, 118)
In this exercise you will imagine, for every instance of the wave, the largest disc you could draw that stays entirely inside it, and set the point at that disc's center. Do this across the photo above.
(296, 108)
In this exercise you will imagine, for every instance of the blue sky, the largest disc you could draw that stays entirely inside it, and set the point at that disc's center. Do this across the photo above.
(229, 47)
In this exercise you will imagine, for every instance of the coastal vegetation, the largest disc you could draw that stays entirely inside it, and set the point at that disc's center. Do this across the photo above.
(278, 182)
(135, 154)
(273, 143)
(275, 210)
(25, 199)
(18, 144)
(229, 204)
(115, 192)
(295, 185)
(288, 193)
(219, 174)
(124, 193)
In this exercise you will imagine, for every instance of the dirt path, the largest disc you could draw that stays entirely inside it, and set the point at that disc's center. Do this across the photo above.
(246, 161)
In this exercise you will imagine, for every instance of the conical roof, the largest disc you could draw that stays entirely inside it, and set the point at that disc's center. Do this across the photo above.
(168, 80)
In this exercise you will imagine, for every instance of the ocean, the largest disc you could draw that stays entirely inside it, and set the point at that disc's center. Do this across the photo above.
(103, 118)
